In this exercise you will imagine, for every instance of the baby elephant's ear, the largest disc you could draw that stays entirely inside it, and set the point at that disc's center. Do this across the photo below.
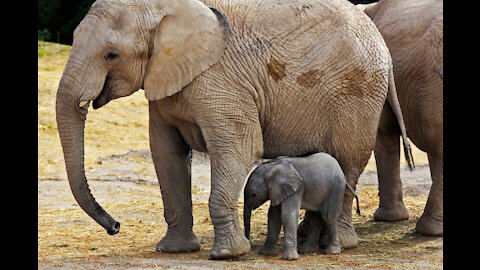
(284, 181)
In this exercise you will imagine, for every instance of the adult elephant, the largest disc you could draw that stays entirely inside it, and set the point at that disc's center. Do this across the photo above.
(413, 31)
(242, 80)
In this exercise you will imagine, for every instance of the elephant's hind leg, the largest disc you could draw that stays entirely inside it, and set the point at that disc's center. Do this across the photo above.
(311, 243)
(387, 156)
(170, 156)
(431, 221)
(346, 232)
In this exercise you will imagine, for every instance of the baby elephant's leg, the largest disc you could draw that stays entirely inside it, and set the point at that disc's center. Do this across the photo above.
(273, 230)
(290, 210)
(331, 210)
(310, 245)
(331, 241)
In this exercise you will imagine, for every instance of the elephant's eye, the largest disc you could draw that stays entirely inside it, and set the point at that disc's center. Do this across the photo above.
(111, 55)
(254, 195)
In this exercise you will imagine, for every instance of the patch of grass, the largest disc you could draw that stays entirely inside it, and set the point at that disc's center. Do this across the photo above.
(51, 49)
(46, 126)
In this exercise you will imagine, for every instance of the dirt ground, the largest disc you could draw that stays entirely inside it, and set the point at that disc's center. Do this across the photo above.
(127, 188)
(122, 179)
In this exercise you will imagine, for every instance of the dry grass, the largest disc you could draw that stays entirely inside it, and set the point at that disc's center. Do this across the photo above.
(70, 235)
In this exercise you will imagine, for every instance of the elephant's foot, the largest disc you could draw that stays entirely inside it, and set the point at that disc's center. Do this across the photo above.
(330, 246)
(347, 236)
(333, 249)
(308, 248)
(179, 242)
(396, 213)
(268, 251)
(290, 254)
(430, 225)
(228, 246)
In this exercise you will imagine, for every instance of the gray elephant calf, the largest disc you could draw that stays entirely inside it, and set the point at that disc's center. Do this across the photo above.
(315, 183)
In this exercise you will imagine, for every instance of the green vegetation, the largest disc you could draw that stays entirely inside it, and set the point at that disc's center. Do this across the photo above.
(52, 49)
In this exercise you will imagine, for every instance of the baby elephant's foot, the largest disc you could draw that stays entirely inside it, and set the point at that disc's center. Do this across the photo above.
(308, 248)
(333, 249)
(290, 254)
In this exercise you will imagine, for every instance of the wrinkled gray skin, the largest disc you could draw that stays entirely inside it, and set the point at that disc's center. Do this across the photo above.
(315, 183)
(413, 31)
(311, 76)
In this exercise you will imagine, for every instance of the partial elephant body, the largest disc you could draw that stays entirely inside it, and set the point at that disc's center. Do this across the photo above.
(261, 79)
(270, 101)
(413, 31)
(288, 62)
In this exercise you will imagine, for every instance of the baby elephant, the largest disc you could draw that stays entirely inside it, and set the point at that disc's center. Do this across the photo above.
(315, 183)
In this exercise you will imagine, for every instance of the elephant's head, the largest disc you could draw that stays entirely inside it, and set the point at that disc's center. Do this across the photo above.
(120, 47)
(273, 181)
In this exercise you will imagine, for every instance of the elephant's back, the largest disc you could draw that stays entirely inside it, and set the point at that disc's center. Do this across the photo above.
(284, 20)
(303, 36)
(274, 18)
(318, 166)
(306, 44)
(400, 21)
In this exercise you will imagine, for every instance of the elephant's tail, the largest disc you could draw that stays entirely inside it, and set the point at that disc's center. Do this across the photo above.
(392, 99)
(356, 197)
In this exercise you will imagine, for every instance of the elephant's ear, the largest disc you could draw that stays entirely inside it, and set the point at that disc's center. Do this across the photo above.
(283, 183)
(183, 45)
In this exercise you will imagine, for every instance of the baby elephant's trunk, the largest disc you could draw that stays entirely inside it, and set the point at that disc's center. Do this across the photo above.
(356, 198)
(247, 214)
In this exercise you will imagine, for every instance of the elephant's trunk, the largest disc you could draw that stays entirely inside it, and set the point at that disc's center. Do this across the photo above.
(247, 214)
(71, 124)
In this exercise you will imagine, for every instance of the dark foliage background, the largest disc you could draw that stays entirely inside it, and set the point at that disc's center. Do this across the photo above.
(57, 19)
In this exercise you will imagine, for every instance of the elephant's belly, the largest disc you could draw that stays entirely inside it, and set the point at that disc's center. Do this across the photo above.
(302, 139)
(309, 206)
(192, 135)
(344, 138)
(293, 149)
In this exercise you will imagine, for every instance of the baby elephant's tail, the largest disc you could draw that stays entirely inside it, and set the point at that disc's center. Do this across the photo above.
(356, 198)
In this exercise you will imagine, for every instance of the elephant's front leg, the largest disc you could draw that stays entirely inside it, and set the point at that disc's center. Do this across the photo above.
(228, 176)
(290, 209)
(231, 161)
(273, 230)
(172, 162)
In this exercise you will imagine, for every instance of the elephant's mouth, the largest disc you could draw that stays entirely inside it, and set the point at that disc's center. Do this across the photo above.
(104, 96)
